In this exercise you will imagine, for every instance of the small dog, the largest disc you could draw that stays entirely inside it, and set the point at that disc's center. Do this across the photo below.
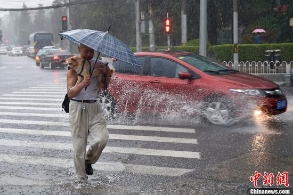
(82, 68)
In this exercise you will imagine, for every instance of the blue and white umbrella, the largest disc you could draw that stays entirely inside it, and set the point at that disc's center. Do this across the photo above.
(102, 42)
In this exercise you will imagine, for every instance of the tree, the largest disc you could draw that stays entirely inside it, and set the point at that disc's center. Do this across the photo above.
(40, 22)
(101, 14)
(25, 25)
(55, 19)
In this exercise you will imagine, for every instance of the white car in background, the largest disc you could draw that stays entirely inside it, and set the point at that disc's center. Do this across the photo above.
(3, 51)
(16, 51)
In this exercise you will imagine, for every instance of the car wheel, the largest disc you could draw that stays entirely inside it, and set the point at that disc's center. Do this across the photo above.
(108, 105)
(217, 111)
(41, 65)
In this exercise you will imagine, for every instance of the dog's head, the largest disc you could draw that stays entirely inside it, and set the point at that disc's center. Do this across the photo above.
(74, 62)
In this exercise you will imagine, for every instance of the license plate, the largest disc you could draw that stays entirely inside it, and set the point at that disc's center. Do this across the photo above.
(281, 104)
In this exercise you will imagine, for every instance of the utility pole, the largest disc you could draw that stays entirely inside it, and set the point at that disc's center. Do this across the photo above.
(138, 26)
(151, 29)
(235, 34)
(68, 25)
(203, 28)
(183, 22)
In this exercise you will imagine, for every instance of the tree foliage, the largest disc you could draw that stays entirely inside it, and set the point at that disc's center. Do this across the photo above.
(100, 14)
(24, 26)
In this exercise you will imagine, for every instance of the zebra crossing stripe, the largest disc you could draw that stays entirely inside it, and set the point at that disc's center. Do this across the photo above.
(108, 149)
(34, 95)
(28, 108)
(28, 122)
(47, 87)
(34, 114)
(112, 136)
(37, 92)
(100, 166)
(30, 99)
(119, 127)
(29, 103)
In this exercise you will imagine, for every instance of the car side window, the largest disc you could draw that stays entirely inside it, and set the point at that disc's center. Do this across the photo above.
(165, 68)
(180, 68)
(126, 68)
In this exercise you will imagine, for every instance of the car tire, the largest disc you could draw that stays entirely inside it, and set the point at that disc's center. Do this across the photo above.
(108, 105)
(217, 111)
(41, 65)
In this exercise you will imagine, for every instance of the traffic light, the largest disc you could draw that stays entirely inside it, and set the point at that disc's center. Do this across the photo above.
(167, 26)
(64, 23)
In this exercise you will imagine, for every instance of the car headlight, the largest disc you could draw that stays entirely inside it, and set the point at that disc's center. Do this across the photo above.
(252, 92)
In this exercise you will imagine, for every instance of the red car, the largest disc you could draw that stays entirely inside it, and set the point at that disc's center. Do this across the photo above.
(193, 85)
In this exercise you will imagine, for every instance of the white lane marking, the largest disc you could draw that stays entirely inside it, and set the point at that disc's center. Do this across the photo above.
(33, 114)
(112, 136)
(119, 127)
(150, 128)
(34, 95)
(3, 67)
(17, 67)
(108, 149)
(27, 108)
(36, 92)
(101, 166)
(29, 103)
(28, 122)
(52, 85)
(30, 99)
(45, 90)
(49, 87)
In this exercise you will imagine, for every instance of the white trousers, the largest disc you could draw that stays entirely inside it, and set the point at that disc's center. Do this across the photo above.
(88, 126)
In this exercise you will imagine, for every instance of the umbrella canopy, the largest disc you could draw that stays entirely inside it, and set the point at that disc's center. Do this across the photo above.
(258, 30)
(102, 42)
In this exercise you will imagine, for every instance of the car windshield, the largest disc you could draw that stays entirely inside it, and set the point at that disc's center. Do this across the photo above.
(206, 65)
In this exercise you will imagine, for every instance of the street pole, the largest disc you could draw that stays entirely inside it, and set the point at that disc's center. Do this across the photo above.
(203, 28)
(68, 25)
(151, 29)
(235, 34)
(138, 28)
(183, 22)
(168, 37)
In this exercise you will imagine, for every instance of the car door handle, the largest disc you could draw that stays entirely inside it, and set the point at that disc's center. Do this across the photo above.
(155, 81)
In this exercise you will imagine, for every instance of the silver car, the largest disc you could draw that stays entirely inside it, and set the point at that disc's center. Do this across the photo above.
(16, 51)
(3, 51)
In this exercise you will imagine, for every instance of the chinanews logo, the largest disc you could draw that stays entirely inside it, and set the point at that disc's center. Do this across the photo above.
(269, 180)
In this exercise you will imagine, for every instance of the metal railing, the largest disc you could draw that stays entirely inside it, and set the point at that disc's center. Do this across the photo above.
(259, 67)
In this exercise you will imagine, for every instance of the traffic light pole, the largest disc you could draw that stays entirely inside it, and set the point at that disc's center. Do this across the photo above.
(235, 34)
(68, 25)
(168, 42)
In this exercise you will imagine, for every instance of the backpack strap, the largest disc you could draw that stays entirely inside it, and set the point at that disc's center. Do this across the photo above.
(79, 74)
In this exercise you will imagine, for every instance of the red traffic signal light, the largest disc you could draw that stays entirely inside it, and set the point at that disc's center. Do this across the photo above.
(167, 26)
(64, 23)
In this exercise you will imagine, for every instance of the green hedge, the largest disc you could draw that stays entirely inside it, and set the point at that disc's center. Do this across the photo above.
(247, 52)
